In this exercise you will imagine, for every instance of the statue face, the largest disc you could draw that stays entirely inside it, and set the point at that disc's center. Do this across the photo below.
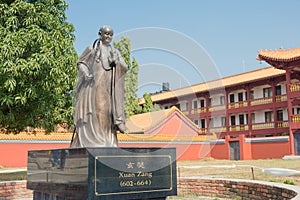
(107, 35)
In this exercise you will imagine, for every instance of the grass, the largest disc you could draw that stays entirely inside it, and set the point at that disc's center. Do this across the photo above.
(242, 169)
(209, 169)
(13, 176)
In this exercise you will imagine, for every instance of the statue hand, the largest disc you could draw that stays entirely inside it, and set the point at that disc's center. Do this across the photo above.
(121, 127)
(114, 59)
(89, 76)
(86, 72)
(116, 56)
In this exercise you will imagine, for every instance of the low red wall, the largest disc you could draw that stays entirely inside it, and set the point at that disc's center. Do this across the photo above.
(15, 154)
(183, 151)
(264, 150)
(270, 150)
(220, 151)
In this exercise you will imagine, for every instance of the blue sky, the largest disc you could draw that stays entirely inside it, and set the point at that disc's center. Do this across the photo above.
(191, 41)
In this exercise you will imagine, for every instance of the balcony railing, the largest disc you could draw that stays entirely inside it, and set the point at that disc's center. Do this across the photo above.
(245, 127)
(203, 130)
(264, 125)
(261, 101)
(296, 118)
(218, 129)
(282, 124)
(238, 104)
(186, 112)
(295, 87)
(216, 108)
(242, 127)
(281, 98)
(198, 110)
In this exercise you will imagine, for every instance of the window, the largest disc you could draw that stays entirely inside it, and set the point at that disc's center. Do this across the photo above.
(246, 96)
(252, 94)
(267, 92)
(278, 89)
(202, 103)
(185, 106)
(211, 122)
(222, 100)
(231, 98)
(253, 117)
(232, 120)
(195, 104)
(241, 119)
(268, 116)
(210, 101)
(240, 96)
(296, 111)
(223, 121)
(178, 106)
(203, 123)
(279, 115)
(196, 121)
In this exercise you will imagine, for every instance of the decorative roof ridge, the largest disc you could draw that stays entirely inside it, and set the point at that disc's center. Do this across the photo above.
(36, 136)
(286, 55)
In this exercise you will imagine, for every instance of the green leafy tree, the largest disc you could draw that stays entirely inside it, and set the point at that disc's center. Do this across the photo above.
(37, 64)
(131, 79)
(148, 105)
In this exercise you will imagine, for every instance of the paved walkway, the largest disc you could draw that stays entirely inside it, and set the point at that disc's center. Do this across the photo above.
(2, 171)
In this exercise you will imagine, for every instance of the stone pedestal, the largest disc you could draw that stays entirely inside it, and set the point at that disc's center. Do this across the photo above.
(102, 173)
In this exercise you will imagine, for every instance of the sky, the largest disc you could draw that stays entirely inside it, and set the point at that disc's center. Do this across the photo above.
(185, 42)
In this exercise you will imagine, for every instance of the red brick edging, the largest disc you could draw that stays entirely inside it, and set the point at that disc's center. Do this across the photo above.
(222, 188)
(10, 190)
(232, 188)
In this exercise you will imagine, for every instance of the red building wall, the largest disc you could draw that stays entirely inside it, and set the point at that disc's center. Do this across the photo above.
(176, 125)
(15, 154)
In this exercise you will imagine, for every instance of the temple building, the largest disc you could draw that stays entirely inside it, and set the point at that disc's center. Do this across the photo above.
(260, 103)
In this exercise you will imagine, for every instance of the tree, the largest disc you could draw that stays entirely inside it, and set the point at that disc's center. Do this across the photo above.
(37, 64)
(148, 105)
(131, 79)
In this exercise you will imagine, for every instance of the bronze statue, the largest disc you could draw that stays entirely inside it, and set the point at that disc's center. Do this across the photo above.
(99, 110)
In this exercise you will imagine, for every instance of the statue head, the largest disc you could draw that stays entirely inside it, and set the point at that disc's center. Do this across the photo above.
(106, 34)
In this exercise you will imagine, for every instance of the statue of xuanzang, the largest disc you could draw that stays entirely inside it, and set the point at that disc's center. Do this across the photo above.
(99, 110)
